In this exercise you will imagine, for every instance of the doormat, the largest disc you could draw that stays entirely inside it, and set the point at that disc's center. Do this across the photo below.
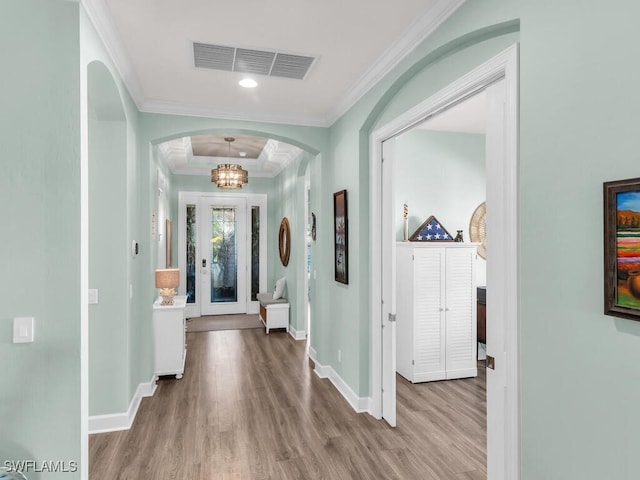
(210, 323)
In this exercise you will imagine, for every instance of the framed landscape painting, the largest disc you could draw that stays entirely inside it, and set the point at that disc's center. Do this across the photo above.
(341, 237)
(622, 248)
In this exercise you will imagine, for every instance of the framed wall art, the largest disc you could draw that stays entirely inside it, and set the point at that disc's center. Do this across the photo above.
(341, 237)
(622, 248)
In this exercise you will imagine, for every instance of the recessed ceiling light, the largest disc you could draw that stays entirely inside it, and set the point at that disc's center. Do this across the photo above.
(248, 83)
(242, 154)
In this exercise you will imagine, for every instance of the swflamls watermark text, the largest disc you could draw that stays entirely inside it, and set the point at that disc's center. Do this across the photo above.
(49, 466)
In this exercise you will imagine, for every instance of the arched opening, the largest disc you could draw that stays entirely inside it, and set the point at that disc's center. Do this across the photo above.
(188, 180)
(107, 228)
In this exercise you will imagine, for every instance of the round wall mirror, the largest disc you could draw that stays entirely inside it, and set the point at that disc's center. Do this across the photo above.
(284, 241)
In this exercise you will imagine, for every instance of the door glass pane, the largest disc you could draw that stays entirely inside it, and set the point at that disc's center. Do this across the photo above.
(191, 254)
(223, 256)
(255, 252)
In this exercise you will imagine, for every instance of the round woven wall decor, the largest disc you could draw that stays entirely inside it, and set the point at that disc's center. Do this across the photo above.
(478, 228)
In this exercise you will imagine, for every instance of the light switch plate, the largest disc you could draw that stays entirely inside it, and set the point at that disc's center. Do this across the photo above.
(23, 330)
(93, 296)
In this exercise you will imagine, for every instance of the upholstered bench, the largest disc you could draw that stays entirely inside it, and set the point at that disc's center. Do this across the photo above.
(273, 313)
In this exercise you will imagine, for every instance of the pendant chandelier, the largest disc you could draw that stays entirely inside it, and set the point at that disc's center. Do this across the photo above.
(229, 176)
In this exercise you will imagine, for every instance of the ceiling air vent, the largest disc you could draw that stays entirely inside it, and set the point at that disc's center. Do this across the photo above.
(291, 66)
(253, 61)
(259, 62)
(213, 56)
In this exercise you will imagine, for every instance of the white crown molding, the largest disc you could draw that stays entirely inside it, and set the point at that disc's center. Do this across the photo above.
(418, 32)
(191, 110)
(101, 18)
(175, 152)
(102, 21)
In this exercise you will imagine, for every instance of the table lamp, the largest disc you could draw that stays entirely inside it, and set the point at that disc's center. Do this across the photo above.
(167, 279)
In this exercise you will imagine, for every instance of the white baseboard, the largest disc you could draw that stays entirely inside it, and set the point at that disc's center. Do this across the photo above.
(313, 355)
(122, 421)
(297, 334)
(359, 404)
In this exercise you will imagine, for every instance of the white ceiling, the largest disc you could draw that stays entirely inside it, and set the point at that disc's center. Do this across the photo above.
(469, 116)
(355, 43)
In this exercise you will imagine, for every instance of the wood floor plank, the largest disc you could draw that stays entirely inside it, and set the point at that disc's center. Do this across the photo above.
(251, 407)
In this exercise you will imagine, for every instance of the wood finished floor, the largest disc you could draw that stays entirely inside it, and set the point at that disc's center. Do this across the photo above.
(250, 407)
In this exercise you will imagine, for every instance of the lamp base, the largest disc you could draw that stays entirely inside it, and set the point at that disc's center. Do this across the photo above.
(167, 295)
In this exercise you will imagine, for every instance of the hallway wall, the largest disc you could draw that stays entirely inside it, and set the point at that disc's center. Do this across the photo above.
(40, 232)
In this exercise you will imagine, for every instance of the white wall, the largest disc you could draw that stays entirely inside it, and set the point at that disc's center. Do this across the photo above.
(440, 174)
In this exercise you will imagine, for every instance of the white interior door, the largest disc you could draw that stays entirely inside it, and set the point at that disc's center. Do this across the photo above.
(223, 255)
(497, 281)
(388, 323)
(503, 392)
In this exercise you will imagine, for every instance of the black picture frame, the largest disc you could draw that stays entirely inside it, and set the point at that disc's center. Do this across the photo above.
(622, 248)
(341, 237)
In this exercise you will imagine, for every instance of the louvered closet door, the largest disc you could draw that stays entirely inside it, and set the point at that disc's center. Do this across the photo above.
(460, 309)
(428, 320)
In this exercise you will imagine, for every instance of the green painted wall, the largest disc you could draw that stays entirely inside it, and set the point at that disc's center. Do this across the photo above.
(579, 116)
(40, 232)
(289, 202)
(120, 342)
(108, 249)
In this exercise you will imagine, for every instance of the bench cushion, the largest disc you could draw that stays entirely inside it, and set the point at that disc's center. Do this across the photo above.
(267, 299)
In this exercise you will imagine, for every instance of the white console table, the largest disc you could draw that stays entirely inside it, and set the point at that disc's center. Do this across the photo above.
(169, 340)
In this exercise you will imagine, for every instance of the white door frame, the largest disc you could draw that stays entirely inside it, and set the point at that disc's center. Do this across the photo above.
(241, 237)
(503, 464)
(253, 200)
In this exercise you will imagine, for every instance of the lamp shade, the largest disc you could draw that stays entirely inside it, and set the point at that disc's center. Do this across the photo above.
(229, 176)
(167, 277)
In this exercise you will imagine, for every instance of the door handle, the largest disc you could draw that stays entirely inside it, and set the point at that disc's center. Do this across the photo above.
(204, 263)
(490, 362)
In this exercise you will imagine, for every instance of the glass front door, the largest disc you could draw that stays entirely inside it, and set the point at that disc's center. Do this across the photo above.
(223, 256)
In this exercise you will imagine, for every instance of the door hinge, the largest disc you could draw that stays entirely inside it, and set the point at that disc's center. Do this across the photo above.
(392, 317)
(413, 362)
(490, 362)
